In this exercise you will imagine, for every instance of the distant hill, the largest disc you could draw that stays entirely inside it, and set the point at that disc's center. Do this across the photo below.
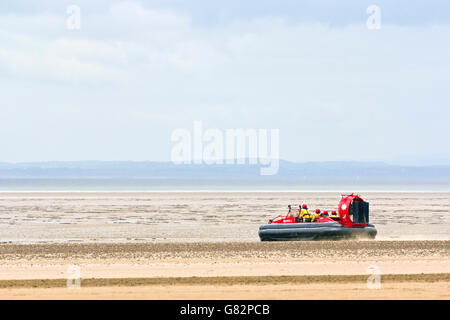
(309, 171)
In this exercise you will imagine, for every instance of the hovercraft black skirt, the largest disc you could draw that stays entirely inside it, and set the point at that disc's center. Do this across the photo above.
(314, 231)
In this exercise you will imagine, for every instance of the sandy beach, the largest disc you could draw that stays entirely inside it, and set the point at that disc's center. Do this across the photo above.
(204, 245)
(289, 270)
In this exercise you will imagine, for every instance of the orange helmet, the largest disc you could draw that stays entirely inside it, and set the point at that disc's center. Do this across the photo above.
(333, 212)
(325, 212)
(317, 210)
(304, 206)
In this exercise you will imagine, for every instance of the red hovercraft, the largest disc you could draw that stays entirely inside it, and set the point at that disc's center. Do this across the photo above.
(352, 222)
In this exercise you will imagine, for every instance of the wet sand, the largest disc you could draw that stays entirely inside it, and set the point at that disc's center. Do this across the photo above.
(32, 217)
(248, 270)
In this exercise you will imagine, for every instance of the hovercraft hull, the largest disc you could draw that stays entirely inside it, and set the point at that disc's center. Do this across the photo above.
(314, 231)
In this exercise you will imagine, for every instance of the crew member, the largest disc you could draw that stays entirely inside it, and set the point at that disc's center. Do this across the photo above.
(316, 216)
(305, 214)
(290, 213)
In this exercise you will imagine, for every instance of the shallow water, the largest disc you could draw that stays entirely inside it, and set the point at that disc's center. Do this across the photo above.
(200, 216)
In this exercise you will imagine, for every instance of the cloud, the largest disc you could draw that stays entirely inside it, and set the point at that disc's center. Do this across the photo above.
(148, 70)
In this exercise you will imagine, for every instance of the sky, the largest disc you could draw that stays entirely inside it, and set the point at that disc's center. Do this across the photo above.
(135, 71)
